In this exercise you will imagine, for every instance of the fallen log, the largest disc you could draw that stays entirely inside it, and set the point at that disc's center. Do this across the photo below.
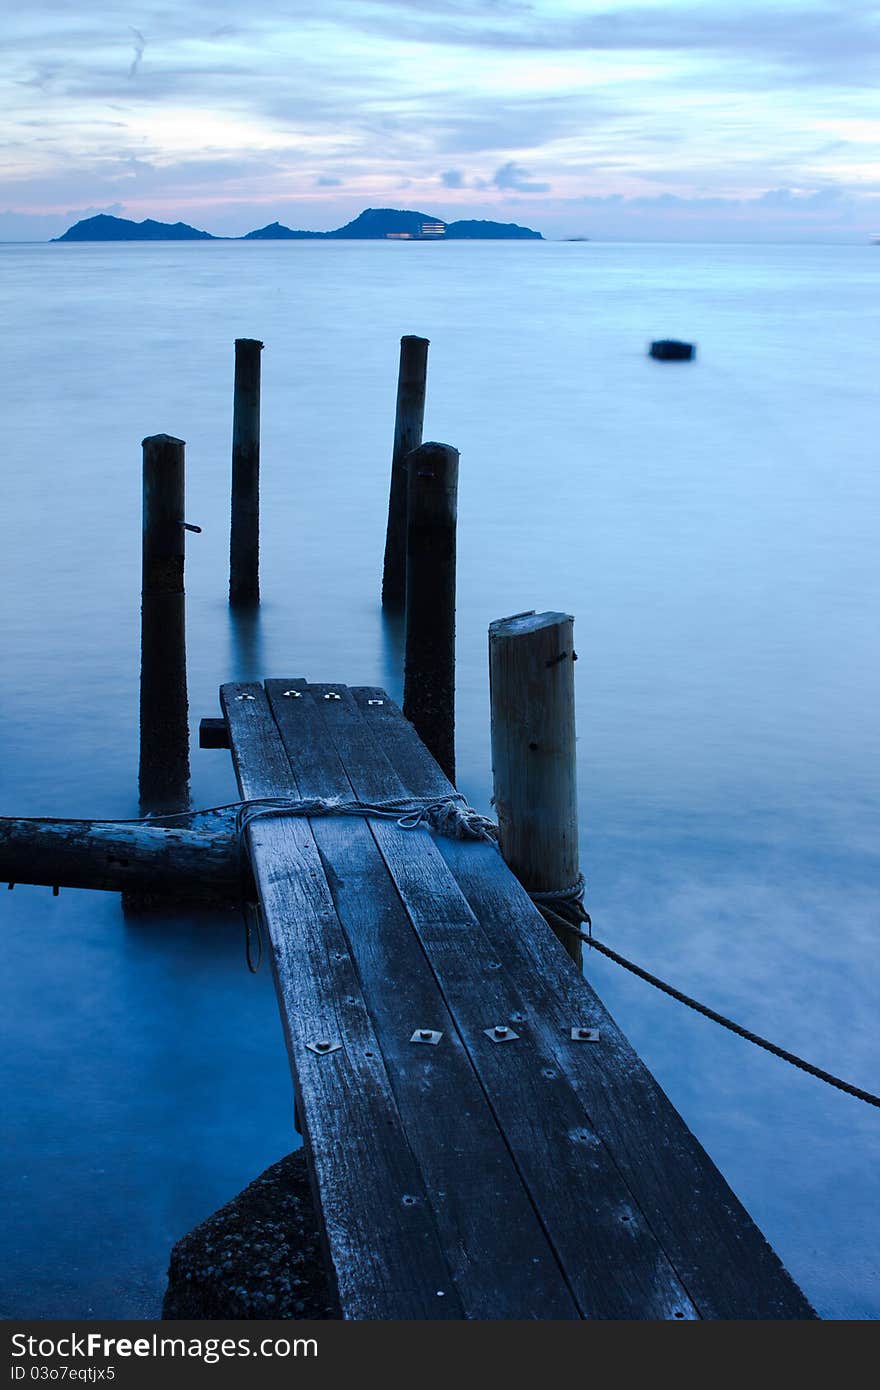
(203, 865)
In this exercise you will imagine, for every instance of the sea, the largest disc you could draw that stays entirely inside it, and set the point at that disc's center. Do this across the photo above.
(711, 525)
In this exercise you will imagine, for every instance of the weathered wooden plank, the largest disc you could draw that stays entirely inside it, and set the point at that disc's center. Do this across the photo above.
(726, 1264)
(499, 1255)
(610, 1257)
(368, 1190)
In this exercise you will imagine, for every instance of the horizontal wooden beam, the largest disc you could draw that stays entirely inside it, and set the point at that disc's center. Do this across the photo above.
(122, 857)
(213, 733)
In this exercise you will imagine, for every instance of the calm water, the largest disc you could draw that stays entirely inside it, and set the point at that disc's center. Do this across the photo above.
(713, 529)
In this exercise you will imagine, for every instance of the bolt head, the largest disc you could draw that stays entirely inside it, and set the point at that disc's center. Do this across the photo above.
(581, 1034)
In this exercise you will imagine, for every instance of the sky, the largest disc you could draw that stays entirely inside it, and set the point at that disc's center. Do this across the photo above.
(735, 120)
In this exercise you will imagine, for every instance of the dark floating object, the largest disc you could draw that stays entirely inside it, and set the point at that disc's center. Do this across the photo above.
(670, 350)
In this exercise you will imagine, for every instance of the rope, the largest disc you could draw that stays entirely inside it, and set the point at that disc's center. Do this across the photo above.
(128, 820)
(446, 815)
(571, 900)
(253, 926)
(454, 818)
(451, 816)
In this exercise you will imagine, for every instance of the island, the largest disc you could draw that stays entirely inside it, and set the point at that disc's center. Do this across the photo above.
(373, 224)
(106, 228)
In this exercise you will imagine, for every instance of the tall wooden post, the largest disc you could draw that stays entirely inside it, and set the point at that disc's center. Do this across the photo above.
(429, 663)
(244, 536)
(411, 382)
(531, 680)
(164, 734)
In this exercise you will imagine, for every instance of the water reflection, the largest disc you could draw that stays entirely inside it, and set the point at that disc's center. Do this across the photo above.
(246, 660)
(393, 650)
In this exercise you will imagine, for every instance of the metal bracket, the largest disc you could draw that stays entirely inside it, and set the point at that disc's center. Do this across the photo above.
(580, 1034)
(331, 695)
(426, 1035)
(375, 702)
(293, 694)
(501, 1033)
(245, 697)
(323, 1047)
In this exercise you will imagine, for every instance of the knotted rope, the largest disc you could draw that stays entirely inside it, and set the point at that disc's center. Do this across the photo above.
(450, 815)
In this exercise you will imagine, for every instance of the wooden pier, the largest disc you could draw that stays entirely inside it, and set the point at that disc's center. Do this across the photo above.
(482, 1140)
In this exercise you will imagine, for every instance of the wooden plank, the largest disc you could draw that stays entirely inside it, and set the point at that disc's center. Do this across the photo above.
(500, 1259)
(369, 1193)
(723, 1259)
(611, 1259)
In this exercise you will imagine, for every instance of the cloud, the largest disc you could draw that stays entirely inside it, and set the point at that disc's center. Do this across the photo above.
(788, 199)
(513, 176)
(825, 39)
(23, 226)
(140, 44)
(780, 214)
(699, 98)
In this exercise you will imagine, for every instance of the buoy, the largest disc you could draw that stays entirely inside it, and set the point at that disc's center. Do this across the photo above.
(670, 350)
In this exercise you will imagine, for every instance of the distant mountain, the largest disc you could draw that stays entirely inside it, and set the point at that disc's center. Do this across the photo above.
(104, 228)
(490, 231)
(377, 224)
(276, 232)
(373, 224)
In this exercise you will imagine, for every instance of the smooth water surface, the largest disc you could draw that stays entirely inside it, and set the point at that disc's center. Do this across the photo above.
(712, 527)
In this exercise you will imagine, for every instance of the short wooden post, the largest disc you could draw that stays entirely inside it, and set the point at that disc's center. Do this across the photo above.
(411, 381)
(164, 747)
(531, 680)
(429, 662)
(244, 536)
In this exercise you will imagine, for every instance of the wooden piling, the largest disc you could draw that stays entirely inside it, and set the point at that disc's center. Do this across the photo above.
(244, 535)
(429, 663)
(411, 382)
(164, 733)
(531, 679)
